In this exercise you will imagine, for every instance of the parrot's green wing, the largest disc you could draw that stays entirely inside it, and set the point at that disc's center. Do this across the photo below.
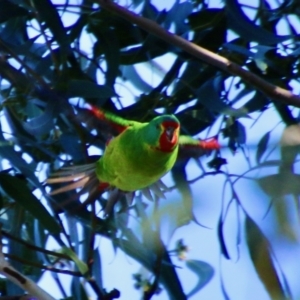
(190, 147)
(118, 123)
(106, 124)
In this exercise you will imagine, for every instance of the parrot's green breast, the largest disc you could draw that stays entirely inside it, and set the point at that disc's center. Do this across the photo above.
(131, 162)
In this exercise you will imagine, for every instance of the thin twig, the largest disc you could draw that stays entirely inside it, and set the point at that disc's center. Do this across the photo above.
(41, 266)
(33, 247)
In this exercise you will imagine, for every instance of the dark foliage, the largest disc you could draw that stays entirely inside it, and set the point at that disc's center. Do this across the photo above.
(55, 58)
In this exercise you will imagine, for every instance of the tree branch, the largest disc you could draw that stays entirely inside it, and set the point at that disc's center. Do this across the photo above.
(270, 90)
(20, 280)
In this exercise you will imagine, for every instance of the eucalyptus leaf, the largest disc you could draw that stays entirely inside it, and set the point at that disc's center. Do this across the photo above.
(18, 190)
(209, 95)
(78, 290)
(8, 152)
(262, 146)
(41, 124)
(88, 89)
(130, 73)
(203, 270)
(261, 255)
(8, 10)
(222, 241)
(48, 13)
(281, 184)
(97, 268)
(240, 23)
(72, 146)
(82, 266)
(178, 15)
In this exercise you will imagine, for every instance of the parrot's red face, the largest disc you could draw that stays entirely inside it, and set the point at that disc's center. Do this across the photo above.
(169, 137)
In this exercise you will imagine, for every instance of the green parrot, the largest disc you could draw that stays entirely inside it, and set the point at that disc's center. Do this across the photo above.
(139, 155)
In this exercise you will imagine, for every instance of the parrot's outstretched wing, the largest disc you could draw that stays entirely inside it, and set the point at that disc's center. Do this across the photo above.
(105, 123)
(190, 147)
(119, 124)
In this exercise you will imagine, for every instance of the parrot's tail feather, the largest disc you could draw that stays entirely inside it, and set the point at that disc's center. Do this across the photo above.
(65, 178)
(71, 186)
(83, 177)
(91, 187)
(75, 169)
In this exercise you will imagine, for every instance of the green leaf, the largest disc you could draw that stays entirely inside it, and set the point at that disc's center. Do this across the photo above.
(209, 96)
(15, 123)
(261, 255)
(88, 89)
(205, 20)
(239, 49)
(82, 266)
(185, 214)
(130, 73)
(247, 29)
(262, 146)
(97, 268)
(78, 289)
(259, 101)
(133, 247)
(41, 124)
(203, 270)
(18, 190)
(109, 45)
(16, 159)
(177, 15)
(9, 10)
(221, 239)
(72, 146)
(195, 120)
(280, 184)
(49, 14)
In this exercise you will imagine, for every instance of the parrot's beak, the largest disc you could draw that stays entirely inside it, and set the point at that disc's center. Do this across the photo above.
(170, 133)
(169, 136)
